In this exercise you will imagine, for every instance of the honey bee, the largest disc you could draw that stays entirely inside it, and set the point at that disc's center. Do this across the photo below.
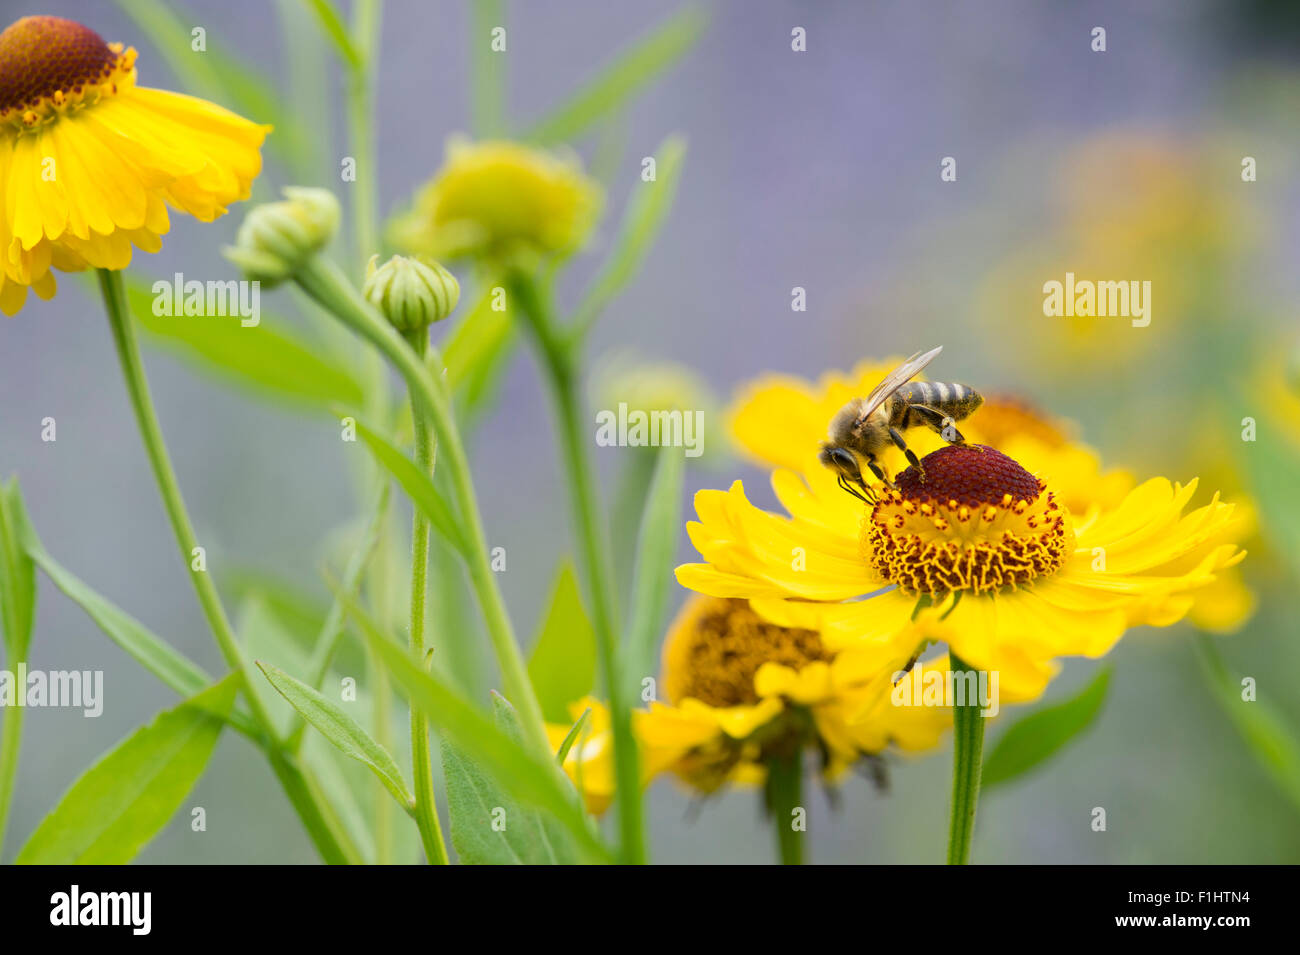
(864, 427)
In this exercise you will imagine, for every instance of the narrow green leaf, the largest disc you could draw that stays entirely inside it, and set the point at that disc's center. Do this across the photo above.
(520, 773)
(571, 737)
(418, 486)
(17, 577)
(1267, 733)
(656, 548)
(1040, 734)
(152, 652)
(1273, 469)
(332, 26)
(646, 212)
(488, 76)
(631, 71)
(122, 802)
(340, 729)
(267, 360)
(477, 350)
(563, 663)
(488, 826)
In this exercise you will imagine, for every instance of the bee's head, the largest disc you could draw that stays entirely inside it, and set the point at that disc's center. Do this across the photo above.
(842, 461)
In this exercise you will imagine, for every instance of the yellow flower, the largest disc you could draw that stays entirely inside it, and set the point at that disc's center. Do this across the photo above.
(89, 162)
(497, 200)
(779, 421)
(742, 691)
(981, 555)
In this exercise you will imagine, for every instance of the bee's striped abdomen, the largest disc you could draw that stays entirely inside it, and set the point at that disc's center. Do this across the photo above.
(955, 400)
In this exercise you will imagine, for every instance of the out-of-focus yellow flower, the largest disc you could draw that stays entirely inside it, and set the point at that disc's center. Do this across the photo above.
(89, 161)
(742, 691)
(780, 420)
(498, 200)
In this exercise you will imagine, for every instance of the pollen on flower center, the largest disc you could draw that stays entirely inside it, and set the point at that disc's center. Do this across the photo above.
(718, 645)
(48, 64)
(978, 521)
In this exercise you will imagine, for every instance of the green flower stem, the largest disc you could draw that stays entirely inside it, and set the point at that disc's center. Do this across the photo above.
(366, 18)
(11, 737)
(324, 282)
(426, 807)
(324, 830)
(784, 792)
(562, 378)
(967, 762)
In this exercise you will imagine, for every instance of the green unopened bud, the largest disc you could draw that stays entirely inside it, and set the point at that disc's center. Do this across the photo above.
(411, 294)
(277, 237)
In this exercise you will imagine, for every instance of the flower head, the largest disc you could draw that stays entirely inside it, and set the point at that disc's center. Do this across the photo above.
(411, 294)
(275, 238)
(90, 162)
(497, 200)
(980, 555)
(742, 691)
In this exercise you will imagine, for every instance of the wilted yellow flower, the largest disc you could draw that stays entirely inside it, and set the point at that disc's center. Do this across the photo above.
(89, 161)
(742, 691)
(497, 200)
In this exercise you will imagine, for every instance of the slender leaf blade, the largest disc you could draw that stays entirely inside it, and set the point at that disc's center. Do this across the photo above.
(1039, 735)
(17, 576)
(417, 485)
(339, 728)
(519, 772)
(563, 662)
(571, 737)
(656, 547)
(630, 72)
(1266, 732)
(646, 213)
(125, 799)
(267, 359)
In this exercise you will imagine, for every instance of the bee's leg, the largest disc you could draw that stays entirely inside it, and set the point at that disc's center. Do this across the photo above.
(912, 459)
(938, 422)
(879, 473)
(847, 485)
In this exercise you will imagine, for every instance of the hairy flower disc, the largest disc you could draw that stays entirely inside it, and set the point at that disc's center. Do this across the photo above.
(978, 521)
(718, 645)
(49, 65)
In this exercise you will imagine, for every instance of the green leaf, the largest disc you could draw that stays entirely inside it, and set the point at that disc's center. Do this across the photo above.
(262, 359)
(477, 350)
(488, 827)
(417, 485)
(632, 70)
(1267, 733)
(571, 737)
(656, 547)
(332, 26)
(122, 802)
(1040, 734)
(563, 663)
(17, 576)
(1273, 468)
(646, 212)
(521, 774)
(152, 652)
(340, 729)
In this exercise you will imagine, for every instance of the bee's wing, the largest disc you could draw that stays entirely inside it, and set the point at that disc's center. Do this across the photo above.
(895, 380)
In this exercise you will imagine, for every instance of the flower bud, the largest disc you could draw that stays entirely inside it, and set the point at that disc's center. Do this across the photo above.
(411, 294)
(277, 237)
